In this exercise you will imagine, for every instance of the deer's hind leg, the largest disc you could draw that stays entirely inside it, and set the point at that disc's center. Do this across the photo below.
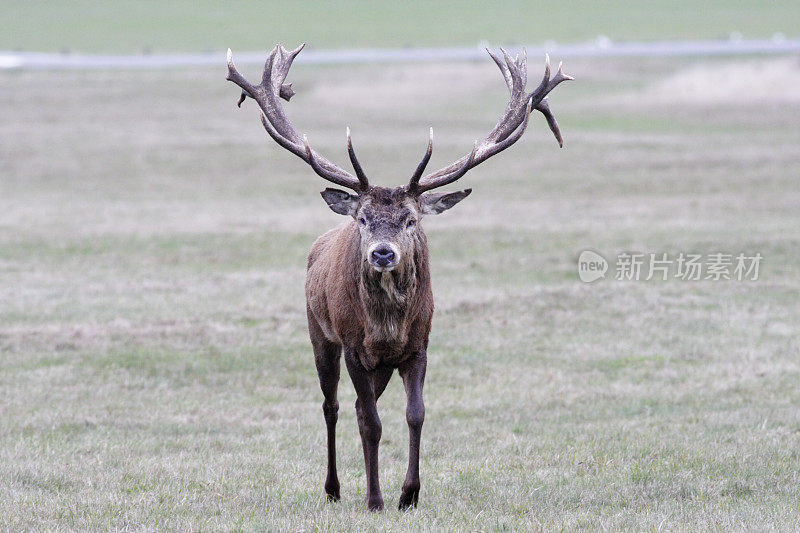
(326, 357)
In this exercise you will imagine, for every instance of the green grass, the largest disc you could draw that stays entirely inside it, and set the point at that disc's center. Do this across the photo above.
(133, 27)
(156, 368)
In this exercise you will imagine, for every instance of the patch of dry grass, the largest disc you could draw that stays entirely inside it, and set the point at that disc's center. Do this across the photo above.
(156, 371)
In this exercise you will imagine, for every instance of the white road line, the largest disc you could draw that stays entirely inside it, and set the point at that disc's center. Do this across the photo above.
(601, 47)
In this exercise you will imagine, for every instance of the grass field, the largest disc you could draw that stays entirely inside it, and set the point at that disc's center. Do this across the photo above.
(156, 372)
(192, 26)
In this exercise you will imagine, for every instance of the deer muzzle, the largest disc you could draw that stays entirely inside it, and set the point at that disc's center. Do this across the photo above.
(383, 256)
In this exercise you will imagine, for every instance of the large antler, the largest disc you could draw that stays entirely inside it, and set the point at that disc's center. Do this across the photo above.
(268, 94)
(507, 131)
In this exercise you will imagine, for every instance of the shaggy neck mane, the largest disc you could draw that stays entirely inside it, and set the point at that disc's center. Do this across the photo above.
(389, 299)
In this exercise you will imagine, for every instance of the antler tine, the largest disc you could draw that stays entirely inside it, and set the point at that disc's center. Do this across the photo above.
(514, 70)
(266, 75)
(450, 178)
(362, 178)
(558, 78)
(413, 185)
(238, 79)
(545, 79)
(503, 69)
(539, 97)
(268, 95)
(523, 66)
(285, 59)
(512, 124)
(544, 108)
(547, 83)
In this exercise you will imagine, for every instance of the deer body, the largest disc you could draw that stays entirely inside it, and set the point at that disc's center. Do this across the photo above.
(386, 315)
(381, 321)
(368, 288)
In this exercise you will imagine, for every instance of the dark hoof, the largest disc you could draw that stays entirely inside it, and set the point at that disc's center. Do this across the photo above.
(408, 498)
(375, 505)
(332, 492)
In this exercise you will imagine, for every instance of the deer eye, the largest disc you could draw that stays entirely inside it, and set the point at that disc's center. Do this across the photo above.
(362, 221)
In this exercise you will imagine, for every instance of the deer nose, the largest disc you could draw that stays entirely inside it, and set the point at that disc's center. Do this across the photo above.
(382, 256)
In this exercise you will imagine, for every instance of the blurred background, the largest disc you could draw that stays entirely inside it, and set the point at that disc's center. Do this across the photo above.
(183, 26)
(156, 370)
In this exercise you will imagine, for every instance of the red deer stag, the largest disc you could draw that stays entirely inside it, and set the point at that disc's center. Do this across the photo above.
(368, 288)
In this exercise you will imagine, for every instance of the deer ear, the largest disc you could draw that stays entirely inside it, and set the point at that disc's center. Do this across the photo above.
(340, 201)
(433, 203)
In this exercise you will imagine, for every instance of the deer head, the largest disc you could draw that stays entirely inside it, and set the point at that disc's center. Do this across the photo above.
(388, 218)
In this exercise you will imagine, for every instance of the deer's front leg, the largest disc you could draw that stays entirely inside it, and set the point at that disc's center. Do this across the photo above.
(413, 374)
(369, 425)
